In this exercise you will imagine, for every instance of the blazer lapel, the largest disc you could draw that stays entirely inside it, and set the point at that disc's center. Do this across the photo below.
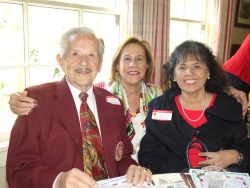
(66, 109)
(103, 115)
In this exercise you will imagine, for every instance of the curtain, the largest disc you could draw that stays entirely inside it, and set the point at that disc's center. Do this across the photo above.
(150, 20)
(220, 27)
(225, 30)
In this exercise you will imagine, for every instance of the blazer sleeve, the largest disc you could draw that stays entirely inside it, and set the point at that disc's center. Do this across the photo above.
(126, 160)
(113, 130)
(24, 167)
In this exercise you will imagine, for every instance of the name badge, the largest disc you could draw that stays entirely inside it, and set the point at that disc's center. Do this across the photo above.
(119, 151)
(162, 115)
(113, 100)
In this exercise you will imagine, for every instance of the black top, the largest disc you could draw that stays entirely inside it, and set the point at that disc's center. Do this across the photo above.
(163, 147)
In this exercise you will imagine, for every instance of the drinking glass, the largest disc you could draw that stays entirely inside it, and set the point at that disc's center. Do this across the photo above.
(215, 177)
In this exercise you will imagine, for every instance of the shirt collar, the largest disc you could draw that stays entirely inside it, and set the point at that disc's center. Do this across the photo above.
(76, 92)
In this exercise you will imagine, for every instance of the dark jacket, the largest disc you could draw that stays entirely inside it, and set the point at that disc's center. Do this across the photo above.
(163, 147)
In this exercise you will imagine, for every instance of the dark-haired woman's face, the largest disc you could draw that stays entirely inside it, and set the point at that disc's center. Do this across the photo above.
(191, 75)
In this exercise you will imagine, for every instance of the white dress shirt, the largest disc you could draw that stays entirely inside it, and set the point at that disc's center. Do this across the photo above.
(90, 101)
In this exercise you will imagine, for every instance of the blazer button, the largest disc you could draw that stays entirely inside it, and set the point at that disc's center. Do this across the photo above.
(197, 132)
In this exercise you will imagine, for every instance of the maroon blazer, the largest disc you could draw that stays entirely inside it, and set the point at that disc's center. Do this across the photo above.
(48, 141)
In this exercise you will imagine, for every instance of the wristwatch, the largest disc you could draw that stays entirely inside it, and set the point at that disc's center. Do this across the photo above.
(240, 158)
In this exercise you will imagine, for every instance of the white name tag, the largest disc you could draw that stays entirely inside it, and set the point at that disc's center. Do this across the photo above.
(162, 115)
(113, 100)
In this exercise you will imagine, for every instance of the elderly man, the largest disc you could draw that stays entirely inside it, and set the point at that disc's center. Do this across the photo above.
(77, 135)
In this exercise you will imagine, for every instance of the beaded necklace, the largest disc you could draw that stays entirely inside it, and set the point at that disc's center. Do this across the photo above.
(193, 120)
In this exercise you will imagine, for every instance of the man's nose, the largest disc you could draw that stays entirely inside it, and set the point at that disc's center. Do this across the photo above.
(83, 59)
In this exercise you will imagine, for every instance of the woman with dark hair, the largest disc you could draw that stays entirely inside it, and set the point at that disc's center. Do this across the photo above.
(194, 108)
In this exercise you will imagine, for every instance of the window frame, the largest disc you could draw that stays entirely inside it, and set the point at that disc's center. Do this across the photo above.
(203, 22)
(47, 4)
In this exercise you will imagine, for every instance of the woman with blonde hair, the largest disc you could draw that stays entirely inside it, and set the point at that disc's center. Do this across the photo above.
(131, 72)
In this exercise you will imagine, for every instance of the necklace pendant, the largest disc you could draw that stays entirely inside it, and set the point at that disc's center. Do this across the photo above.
(133, 114)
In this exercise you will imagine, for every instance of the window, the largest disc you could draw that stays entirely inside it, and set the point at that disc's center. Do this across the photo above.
(96, 3)
(107, 28)
(29, 43)
(187, 21)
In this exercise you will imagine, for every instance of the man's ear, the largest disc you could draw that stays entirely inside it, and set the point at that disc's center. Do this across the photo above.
(100, 66)
(60, 61)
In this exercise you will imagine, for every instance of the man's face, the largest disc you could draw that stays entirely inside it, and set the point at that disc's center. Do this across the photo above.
(82, 61)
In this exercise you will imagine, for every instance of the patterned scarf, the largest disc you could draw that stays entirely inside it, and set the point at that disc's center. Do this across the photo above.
(147, 94)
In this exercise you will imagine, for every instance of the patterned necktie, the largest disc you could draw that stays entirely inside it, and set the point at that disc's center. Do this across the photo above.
(93, 158)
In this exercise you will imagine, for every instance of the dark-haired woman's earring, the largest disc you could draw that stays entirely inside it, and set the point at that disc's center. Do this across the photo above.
(208, 77)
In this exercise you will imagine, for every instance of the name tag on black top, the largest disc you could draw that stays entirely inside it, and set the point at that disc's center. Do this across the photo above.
(162, 115)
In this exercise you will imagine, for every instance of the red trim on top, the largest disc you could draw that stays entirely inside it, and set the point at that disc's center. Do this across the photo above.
(194, 114)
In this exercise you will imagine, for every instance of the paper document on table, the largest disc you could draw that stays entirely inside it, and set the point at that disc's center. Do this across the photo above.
(121, 182)
(112, 181)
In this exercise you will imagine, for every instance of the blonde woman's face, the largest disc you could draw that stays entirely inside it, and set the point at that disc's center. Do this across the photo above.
(133, 64)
